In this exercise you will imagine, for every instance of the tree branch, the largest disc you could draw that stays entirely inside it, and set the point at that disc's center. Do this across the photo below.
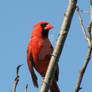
(82, 71)
(82, 26)
(59, 45)
(16, 78)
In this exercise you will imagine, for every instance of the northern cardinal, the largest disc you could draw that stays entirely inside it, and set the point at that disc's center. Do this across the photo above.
(39, 52)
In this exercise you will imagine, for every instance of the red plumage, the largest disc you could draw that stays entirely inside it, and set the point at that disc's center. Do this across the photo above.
(39, 52)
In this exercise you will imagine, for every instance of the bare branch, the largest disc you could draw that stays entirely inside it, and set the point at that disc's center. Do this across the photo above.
(26, 88)
(82, 26)
(16, 78)
(59, 45)
(82, 71)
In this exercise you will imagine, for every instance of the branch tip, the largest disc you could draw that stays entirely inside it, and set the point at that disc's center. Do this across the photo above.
(18, 67)
(16, 78)
(26, 87)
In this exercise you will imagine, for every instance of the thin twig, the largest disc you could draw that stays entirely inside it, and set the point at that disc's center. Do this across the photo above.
(82, 26)
(82, 71)
(16, 78)
(85, 11)
(26, 88)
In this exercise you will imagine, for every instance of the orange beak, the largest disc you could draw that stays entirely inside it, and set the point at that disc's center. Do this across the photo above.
(48, 27)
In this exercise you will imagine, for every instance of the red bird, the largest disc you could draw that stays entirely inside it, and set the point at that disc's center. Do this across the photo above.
(39, 53)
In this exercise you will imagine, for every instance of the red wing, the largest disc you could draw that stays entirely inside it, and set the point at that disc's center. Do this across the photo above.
(30, 65)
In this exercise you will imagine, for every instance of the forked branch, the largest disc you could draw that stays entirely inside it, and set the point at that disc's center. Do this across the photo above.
(16, 78)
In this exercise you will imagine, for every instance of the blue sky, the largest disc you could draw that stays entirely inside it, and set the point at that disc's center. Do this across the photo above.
(17, 19)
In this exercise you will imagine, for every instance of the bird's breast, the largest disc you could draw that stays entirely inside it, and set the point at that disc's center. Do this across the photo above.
(45, 50)
(44, 58)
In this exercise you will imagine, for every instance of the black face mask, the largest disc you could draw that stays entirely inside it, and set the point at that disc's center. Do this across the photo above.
(44, 32)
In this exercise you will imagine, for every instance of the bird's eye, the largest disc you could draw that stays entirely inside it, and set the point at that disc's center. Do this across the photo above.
(44, 25)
